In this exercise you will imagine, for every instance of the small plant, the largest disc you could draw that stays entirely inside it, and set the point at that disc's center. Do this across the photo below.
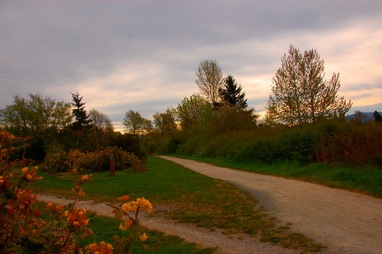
(128, 214)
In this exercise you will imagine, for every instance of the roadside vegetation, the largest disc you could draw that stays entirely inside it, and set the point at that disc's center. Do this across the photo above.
(305, 135)
(189, 198)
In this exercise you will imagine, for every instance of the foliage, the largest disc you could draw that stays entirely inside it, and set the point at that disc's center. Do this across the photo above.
(82, 120)
(300, 94)
(101, 121)
(377, 116)
(330, 142)
(92, 161)
(136, 124)
(209, 79)
(193, 113)
(24, 229)
(165, 122)
(35, 115)
(231, 93)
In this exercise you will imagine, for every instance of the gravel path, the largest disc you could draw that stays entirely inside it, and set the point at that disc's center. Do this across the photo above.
(233, 244)
(347, 222)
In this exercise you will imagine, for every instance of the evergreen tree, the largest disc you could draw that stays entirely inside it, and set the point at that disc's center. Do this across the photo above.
(82, 120)
(377, 116)
(231, 93)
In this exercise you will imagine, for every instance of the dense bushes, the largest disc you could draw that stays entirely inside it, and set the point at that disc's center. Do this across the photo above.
(92, 161)
(334, 142)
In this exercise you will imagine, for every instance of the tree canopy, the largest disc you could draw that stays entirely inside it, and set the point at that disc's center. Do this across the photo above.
(300, 94)
(209, 79)
(231, 93)
(136, 124)
(82, 120)
(35, 114)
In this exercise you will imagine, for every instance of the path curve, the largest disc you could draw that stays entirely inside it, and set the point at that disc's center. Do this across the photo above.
(347, 222)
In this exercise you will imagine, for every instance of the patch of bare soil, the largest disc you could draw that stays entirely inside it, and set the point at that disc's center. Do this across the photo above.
(345, 221)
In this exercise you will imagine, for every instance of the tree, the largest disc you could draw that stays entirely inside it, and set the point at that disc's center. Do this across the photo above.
(35, 115)
(165, 122)
(377, 116)
(135, 123)
(209, 80)
(194, 112)
(101, 121)
(231, 93)
(82, 121)
(300, 94)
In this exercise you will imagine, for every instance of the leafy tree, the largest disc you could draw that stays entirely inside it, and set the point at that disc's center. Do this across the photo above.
(300, 94)
(209, 80)
(135, 123)
(35, 115)
(194, 112)
(103, 128)
(101, 121)
(231, 93)
(82, 121)
(165, 122)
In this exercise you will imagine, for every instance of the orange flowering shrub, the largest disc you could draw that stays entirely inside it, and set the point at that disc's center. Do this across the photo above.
(23, 230)
(128, 214)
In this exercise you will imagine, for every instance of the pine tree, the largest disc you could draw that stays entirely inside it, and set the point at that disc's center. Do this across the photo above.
(82, 121)
(231, 93)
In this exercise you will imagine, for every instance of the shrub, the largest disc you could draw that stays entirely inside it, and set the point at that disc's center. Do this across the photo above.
(92, 161)
(23, 230)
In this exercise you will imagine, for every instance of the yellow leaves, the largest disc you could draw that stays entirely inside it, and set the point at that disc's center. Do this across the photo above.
(140, 204)
(99, 248)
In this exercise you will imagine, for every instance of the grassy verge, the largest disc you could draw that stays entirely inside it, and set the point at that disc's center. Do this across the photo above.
(191, 197)
(367, 180)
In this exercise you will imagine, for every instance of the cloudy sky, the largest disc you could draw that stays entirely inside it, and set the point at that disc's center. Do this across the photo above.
(143, 54)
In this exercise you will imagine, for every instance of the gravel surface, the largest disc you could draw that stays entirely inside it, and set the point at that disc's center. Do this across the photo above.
(346, 222)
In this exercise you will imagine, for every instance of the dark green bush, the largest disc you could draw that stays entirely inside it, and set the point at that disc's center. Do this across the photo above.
(92, 161)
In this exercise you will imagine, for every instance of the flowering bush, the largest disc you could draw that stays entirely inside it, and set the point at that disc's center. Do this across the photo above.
(92, 161)
(128, 214)
(22, 228)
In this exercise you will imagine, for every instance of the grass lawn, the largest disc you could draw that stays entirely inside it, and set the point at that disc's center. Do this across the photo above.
(367, 180)
(191, 197)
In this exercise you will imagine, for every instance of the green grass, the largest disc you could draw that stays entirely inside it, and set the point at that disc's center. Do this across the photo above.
(191, 197)
(157, 242)
(367, 180)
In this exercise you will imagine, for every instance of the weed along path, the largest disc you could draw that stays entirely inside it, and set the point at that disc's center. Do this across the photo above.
(346, 222)
(225, 244)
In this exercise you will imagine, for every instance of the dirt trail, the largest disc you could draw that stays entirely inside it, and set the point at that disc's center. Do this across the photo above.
(233, 244)
(345, 221)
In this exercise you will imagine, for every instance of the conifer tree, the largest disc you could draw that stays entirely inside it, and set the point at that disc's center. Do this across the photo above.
(231, 93)
(82, 120)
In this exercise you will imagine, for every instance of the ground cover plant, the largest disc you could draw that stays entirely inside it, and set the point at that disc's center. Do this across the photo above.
(191, 198)
(363, 179)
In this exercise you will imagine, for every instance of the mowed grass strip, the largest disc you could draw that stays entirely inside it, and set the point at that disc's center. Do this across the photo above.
(365, 179)
(191, 198)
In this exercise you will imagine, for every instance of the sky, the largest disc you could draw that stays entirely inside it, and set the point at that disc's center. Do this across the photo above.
(142, 55)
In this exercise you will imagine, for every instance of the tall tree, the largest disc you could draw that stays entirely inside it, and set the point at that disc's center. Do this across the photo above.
(101, 121)
(300, 94)
(377, 116)
(231, 93)
(82, 121)
(34, 115)
(165, 122)
(136, 124)
(209, 80)
(193, 113)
